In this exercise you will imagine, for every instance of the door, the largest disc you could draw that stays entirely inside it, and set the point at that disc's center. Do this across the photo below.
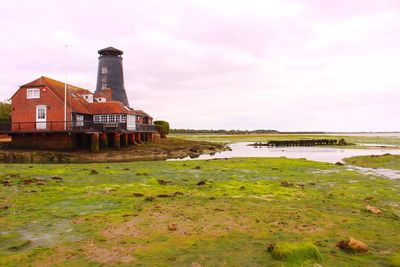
(41, 117)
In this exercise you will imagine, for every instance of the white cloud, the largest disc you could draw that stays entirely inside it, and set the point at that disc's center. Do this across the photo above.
(288, 65)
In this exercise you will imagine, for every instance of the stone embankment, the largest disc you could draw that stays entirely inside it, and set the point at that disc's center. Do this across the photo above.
(158, 150)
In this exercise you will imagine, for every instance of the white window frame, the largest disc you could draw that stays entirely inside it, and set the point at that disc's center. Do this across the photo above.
(79, 120)
(104, 70)
(123, 118)
(111, 118)
(32, 93)
(41, 117)
(131, 122)
(96, 118)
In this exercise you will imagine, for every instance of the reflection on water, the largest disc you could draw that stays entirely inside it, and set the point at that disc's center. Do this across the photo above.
(378, 145)
(322, 154)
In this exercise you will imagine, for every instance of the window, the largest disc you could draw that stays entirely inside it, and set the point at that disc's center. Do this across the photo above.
(104, 86)
(79, 120)
(131, 124)
(123, 118)
(33, 93)
(110, 118)
(104, 70)
(41, 113)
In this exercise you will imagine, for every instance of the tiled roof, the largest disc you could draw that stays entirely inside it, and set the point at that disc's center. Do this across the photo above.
(78, 103)
(74, 99)
(142, 113)
(84, 92)
(110, 107)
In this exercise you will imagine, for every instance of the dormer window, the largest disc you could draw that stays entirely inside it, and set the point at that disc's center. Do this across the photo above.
(33, 93)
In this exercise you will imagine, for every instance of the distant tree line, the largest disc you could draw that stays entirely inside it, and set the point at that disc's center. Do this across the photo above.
(221, 131)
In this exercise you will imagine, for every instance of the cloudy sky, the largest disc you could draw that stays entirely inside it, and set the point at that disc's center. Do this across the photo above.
(330, 65)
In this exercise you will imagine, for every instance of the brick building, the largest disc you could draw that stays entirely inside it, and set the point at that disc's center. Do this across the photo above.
(48, 114)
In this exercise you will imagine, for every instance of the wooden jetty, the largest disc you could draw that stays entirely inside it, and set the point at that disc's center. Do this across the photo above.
(302, 142)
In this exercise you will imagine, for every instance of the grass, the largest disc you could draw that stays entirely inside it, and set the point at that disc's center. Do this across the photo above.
(385, 140)
(382, 161)
(156, 214)
(296, 253)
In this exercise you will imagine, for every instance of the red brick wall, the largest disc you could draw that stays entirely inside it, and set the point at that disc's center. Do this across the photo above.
(24, 110)
(46, 142)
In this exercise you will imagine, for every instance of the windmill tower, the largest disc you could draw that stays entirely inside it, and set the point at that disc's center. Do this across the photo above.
(110, 74)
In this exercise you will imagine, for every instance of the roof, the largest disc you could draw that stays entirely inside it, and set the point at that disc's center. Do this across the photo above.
(110, 51)
(78, 103)
(74, 99)
(110, 107)
(84, 92)
(142, 113)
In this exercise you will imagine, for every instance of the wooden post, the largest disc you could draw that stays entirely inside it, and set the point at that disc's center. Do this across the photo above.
(84, 140)
(138, 140)
(131, 139)
(94, 144)
(117, 140)
(103, 141)
(124, 140)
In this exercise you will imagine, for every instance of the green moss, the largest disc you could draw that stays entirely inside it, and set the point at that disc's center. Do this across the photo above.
(242, 207)
(296, 252)
(395, 260)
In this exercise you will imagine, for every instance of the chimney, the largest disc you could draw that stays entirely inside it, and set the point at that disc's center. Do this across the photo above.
(108, 94)
(110, 74)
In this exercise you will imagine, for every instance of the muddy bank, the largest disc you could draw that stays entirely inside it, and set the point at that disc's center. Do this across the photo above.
(158, 150)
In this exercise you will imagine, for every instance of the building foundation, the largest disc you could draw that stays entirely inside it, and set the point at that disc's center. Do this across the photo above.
(138, 139)
(94, 143)
(131, 139)
(103, 141)
(124, 140)
(117, 140)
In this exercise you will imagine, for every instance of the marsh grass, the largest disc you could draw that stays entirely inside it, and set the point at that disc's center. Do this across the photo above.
(376, 161)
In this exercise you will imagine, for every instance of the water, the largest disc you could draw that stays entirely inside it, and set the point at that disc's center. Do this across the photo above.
(385, 173)
(322, 154)
(392, 134)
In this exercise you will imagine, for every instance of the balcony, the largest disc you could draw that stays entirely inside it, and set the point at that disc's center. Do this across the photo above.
(71, 126)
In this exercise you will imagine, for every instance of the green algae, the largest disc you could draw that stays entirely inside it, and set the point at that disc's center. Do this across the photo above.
(229, 221)
(296, 253)
(395, 260)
